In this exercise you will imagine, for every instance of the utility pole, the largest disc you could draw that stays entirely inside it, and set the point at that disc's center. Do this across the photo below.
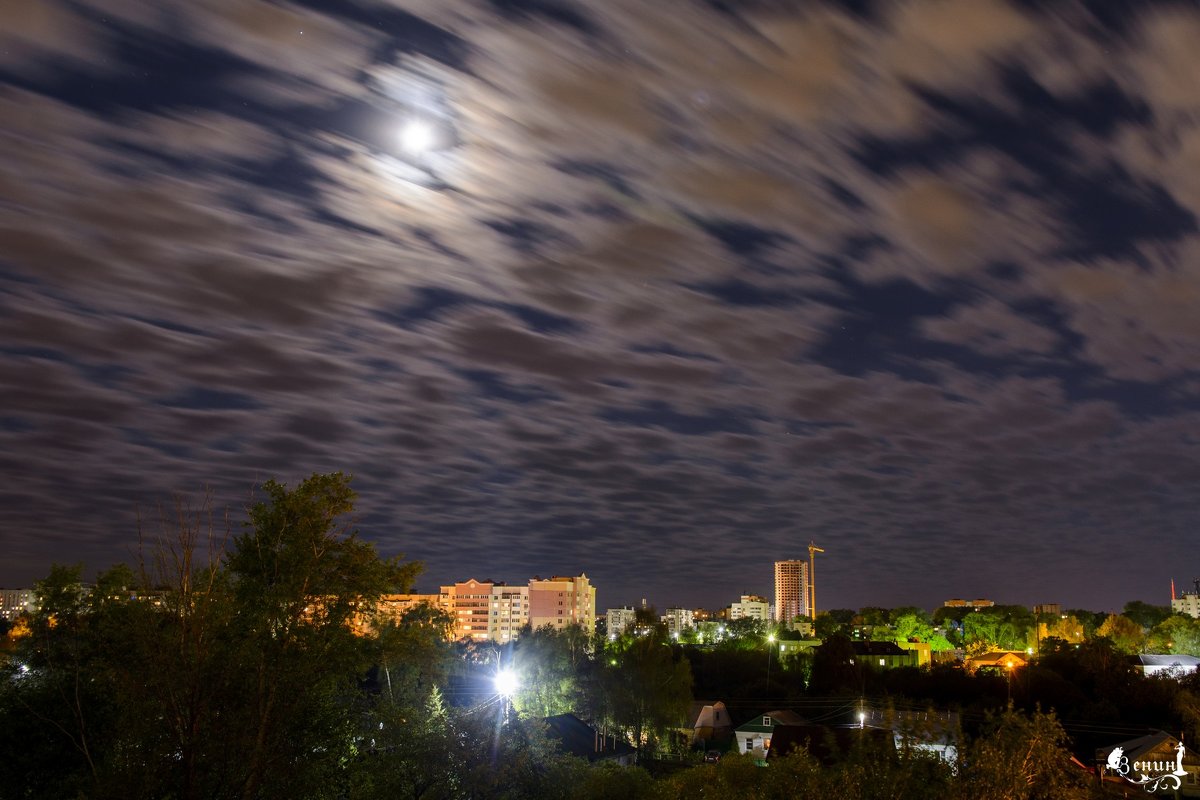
(812, 581)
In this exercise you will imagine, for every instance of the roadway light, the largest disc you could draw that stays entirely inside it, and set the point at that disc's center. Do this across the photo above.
(862, 719)
(506, 683)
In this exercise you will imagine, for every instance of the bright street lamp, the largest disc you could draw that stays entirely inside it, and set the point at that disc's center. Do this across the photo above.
(770, 648)
(506, 683)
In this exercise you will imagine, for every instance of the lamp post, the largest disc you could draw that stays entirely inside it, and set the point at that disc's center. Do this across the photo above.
(770, 648)
(506, 684)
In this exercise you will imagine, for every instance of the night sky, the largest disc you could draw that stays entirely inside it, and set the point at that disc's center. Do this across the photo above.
(677, 287)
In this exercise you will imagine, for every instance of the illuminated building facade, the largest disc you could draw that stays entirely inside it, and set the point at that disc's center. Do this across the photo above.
(751, 606)
(791, 590)
(559, 602)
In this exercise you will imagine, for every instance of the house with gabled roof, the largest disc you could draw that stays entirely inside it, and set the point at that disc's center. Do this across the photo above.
(709, 720)
(997, 660)
(1169, 665)
(754, 735)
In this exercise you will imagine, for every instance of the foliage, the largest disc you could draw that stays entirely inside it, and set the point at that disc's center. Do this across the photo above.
(1022, 757)
(834, 667)
(999, 628)
(1125, 634)
(1177, 634)
(550, 664)
(1145, 614)
(217, 677)
(836, 620)
(646, 692)
(1091, 620)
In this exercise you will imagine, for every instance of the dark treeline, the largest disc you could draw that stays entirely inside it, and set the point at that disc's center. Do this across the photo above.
(245, 665)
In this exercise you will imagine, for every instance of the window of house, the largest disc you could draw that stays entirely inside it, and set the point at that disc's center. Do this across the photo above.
(766, 722)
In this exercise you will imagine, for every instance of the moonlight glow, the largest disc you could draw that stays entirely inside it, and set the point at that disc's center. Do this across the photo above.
(417, 136)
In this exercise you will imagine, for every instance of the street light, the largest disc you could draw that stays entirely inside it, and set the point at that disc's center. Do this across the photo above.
(770, 648)
(506, 683)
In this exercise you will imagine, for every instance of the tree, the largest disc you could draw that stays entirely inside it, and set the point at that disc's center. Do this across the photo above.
(414, 654)
(1023, 758)
(834, 667)
(549, 663)
(1065, 627)
(1178, 634)
(647, 692)
(1145, 614)
(998, 627)
(300, 578)
(1091, 620)
(836, 620)
(1125, 634)
(912, 627)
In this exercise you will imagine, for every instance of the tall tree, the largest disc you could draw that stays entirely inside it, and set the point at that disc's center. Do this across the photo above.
(647, 691)
(301, 576)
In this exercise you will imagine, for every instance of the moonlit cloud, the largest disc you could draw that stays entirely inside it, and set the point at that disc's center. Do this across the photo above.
(677, 289)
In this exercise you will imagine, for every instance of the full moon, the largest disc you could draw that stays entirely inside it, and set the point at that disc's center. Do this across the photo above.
(417, 136)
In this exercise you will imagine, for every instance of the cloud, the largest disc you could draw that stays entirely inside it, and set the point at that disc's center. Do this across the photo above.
(914, 283)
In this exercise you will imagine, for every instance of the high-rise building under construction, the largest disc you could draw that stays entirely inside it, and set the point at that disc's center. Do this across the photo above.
(791, 590)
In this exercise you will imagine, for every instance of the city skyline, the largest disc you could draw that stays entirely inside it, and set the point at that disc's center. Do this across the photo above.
(657, 292)
(431, 586)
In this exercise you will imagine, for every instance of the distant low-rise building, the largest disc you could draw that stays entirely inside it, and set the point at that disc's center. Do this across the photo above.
(677, 620)
(1168, 665)
(619, 620)
(14, 602)
(978, 603)
(923, 650)
(884, 655)
(1187, 603)
(751, 606)
(999, 660)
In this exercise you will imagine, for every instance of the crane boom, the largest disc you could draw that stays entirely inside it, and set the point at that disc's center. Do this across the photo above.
(812, 580)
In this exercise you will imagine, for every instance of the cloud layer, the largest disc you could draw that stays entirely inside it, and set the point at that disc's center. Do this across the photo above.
(681, 288)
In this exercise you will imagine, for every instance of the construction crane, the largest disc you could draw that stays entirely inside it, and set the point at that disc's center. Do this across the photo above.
(812, 581)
